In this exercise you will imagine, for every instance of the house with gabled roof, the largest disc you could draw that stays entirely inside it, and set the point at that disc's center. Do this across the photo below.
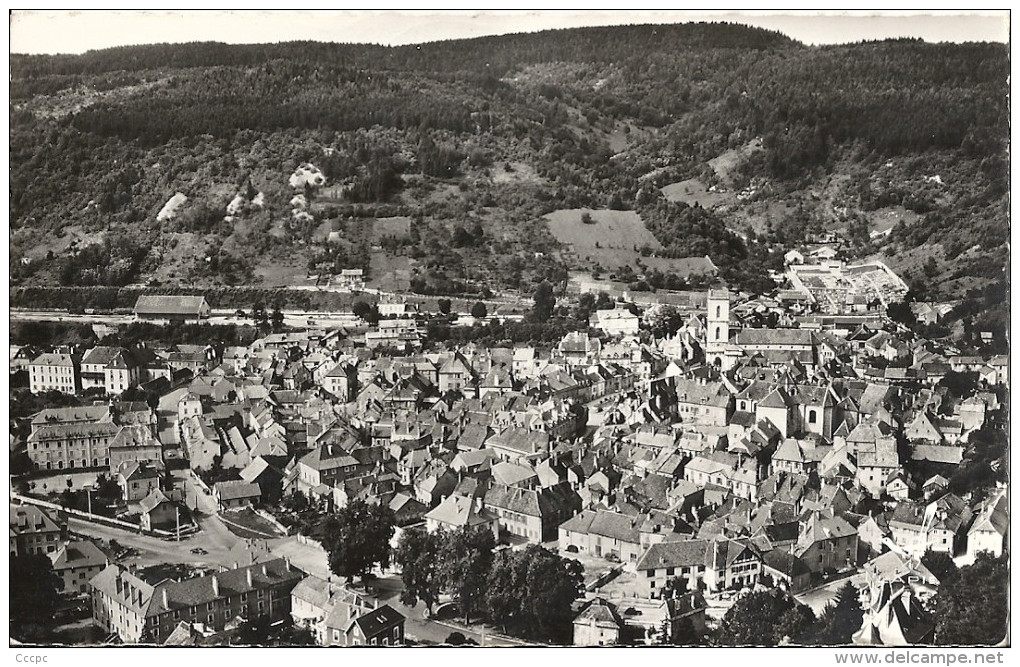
(55, 372)
(990, 530)
(877, 465)
(519, 445)
(179, 308)
(236, 494)
(76, 563)
(125, 605)
(531, 514)
(826, 543)
(456, 512)
(136, 480)
(156, 510)
(598, 624)
(895, 617)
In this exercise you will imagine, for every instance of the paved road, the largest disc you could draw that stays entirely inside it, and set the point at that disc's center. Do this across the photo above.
(152, 550)
(207, 517)
(430, 630)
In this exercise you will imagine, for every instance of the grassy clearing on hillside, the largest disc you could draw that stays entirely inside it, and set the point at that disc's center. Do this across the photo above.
(693, 191)
(520, 173)
(886, 218)
(398, 226)
(389, 273)
(284, 273)
(729, 160)
(613, 239)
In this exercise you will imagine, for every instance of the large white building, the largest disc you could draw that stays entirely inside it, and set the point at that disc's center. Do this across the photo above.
(615, 321)
(54, 371)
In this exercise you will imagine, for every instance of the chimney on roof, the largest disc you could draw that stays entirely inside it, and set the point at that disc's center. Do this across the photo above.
(265, 572)
(247, 572)
(166, 600)
(215, 585)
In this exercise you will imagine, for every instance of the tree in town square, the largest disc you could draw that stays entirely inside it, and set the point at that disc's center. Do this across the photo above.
(417, 554)
(357, 538)
(464, 563)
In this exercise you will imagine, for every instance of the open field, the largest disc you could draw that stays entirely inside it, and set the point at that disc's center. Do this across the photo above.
(693, 191)
(727, 161)
(885, 219)
(389, 273)
(613, 239)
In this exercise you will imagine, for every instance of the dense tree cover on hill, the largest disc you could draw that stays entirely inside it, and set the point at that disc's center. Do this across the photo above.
(503, 130)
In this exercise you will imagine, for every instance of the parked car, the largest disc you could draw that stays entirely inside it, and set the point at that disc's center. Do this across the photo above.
(199, 550)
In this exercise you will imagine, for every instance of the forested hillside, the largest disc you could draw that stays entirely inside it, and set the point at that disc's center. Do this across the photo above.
(432, 166)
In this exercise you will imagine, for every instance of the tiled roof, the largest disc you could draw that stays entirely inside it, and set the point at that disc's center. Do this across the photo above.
(201, 590)
(53, 359)
(153, 500)
(79, 554)
(26, 519)
(85, 413)
(686, 553)
(378, 621)
(763, 337)
(74, 430)
(616, 526)
(235, 489)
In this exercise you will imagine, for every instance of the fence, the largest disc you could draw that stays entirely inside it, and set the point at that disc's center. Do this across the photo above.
(93, 518)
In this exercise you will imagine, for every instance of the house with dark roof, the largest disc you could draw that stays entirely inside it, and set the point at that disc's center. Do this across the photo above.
(76, 563)
(531, 514)
(136, 480)
(140, 613)
(158, 511)
(236, 494)
(786, 569)
(33, 531)
(826, 543)
(687, 559)
(602, 533)
(172, 308)
(717, 564)
(598, 624)
(382, 626)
